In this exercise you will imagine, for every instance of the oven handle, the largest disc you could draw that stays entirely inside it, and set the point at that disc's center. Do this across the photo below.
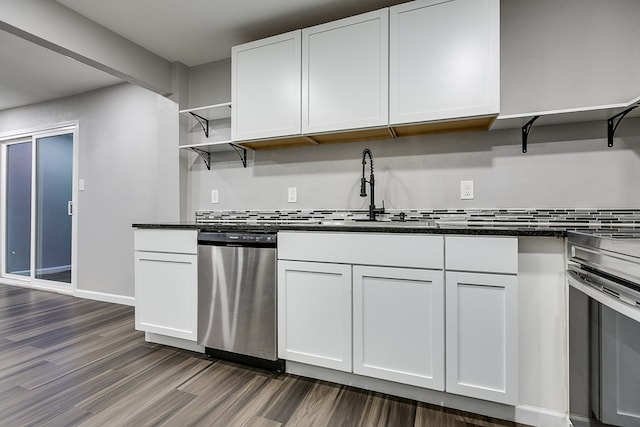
(595, 291)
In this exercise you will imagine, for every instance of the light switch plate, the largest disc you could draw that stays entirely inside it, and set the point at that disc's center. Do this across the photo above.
(81, 184)
(466, 190)
(292, 194)
(214, 196)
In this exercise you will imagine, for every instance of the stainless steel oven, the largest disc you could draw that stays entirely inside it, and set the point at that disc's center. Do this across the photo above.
(237, 310)
(604, 328)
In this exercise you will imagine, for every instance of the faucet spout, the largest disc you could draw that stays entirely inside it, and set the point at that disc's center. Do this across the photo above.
(363, 185)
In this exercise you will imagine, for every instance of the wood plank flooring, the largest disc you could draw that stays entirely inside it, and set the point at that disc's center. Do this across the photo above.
(66, 361)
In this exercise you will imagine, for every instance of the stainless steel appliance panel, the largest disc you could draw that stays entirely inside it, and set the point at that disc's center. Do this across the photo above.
(237, 299)
(604, 328)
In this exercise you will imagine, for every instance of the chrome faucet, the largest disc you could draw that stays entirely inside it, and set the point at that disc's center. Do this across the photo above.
(363, 185)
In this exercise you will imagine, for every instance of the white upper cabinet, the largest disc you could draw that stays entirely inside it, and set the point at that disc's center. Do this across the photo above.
(345, 73)
(265, 88)
(444, 60)
(419, 67)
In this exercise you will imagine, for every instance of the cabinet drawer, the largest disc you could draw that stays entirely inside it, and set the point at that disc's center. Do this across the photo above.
(482, 254)
(172, 241)
(390, 250)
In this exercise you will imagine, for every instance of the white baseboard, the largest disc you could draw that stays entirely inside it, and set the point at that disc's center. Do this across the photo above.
(173, 342)
(66, 290)
(101, 296)
(534, 416)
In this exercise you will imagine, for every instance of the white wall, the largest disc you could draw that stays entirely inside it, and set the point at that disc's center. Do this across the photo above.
(568, 54)
(550, 59)
(210, 83)
(566, 166)
(128, 158)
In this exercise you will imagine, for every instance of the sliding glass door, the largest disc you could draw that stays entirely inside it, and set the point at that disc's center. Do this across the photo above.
(18, 208)
(54, 180)
(38, 208)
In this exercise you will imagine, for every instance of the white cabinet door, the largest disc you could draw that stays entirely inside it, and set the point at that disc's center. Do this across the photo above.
(265, 88)
(314, 313)
(620, 376)
(345, 73)
(444, 60)
(398, 325)
(166, 286)
(481, 336)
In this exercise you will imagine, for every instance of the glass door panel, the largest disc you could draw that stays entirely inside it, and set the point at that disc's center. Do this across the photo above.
(18, 210)
(54, 181)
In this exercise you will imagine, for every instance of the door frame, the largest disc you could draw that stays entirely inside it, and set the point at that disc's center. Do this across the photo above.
(32, 135)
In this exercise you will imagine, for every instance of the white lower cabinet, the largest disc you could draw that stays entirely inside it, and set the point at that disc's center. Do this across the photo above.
(166, 282)
(428, 311)
(398, 325)
(314, 313)
(619, 376)
(481, 335)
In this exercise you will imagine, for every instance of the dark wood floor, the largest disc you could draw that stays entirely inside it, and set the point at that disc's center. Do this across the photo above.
(68, 361)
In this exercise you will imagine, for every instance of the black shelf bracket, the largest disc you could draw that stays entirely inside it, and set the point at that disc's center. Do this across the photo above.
(204, 155)
(241, 152)
(204, 123)
(614, 122)
(525, 132)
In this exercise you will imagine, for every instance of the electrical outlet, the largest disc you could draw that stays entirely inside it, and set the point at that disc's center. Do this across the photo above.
(214, 196)
(292, 194)
(466, 190)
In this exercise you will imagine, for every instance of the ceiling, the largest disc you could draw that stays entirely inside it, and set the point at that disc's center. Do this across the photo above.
(31, 73)
(198, 31)
(193, 32)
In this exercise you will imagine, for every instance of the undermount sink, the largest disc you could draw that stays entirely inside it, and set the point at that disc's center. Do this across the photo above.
(383, 223)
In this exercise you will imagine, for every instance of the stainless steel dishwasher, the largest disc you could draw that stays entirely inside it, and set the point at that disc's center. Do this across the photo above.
(237, 310)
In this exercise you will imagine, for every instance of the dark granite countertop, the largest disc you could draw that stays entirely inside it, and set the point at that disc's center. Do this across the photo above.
(368, 227)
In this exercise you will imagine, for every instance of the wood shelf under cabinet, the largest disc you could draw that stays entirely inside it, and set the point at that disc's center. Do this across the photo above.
(322, 138)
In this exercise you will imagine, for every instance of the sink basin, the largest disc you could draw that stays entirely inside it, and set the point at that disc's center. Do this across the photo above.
(367, 223)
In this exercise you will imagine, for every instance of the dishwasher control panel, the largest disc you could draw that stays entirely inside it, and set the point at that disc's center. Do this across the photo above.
(237, 238)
